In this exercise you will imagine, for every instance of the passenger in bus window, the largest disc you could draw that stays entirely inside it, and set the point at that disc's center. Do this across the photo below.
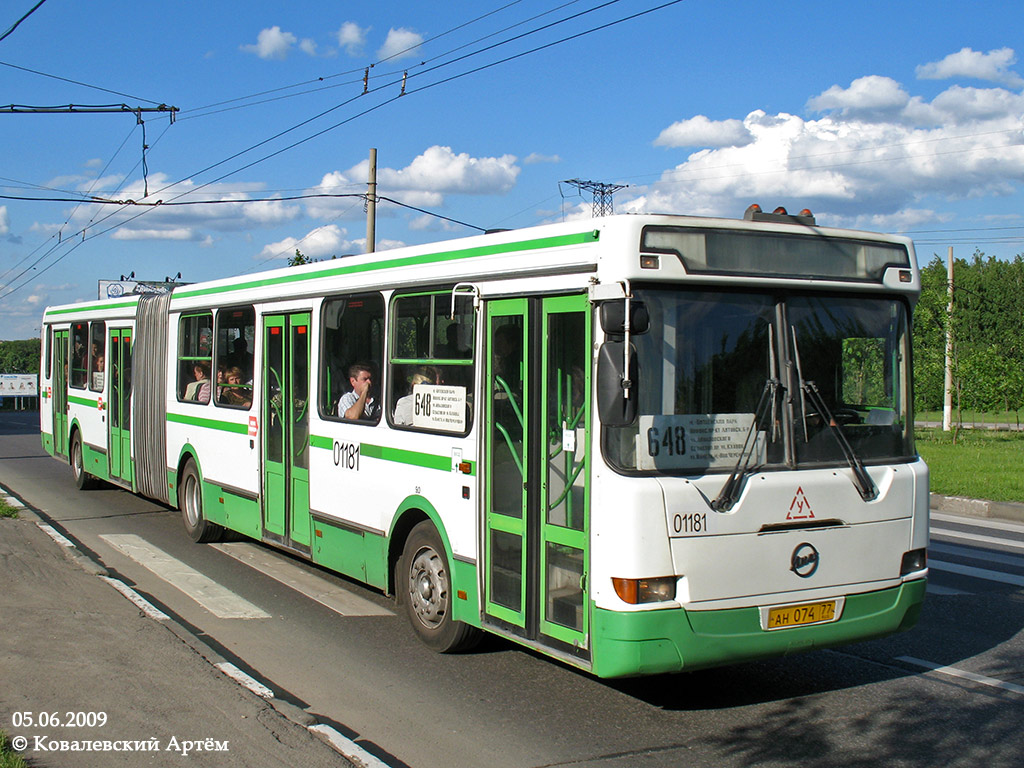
(426, 374)
(199, 390)
(359, 403)
(235, 392)
(97, 371)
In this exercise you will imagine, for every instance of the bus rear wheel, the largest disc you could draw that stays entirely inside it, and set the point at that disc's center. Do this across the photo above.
(424, 588)
(83, 480)
(190, 502)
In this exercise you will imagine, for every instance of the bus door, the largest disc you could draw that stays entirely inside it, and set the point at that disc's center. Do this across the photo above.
(60, 392)
(119, 349)
(285, 416)
(537, 473)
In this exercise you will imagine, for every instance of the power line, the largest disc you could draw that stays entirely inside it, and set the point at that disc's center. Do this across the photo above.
(18, 22)
(145, 209)
(76, 82)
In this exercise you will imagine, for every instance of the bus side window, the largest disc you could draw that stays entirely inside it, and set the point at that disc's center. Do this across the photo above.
(431, 363)
(352, 333)
(236, 339)
(195, 354)
(79, 355)
(97, 355)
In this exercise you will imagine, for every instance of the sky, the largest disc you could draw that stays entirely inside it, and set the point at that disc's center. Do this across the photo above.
(899, 117)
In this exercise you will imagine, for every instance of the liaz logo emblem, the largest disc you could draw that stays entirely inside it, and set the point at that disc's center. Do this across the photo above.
(804, 561)
(800, 507)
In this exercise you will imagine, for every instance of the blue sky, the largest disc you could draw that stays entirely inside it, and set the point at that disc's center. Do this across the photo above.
(903, 117)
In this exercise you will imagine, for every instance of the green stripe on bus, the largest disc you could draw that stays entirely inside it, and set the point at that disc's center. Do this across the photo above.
(397, 455)
(223, 426)
(318, 441)
(91, 305)
(82, 401)
(579, 238)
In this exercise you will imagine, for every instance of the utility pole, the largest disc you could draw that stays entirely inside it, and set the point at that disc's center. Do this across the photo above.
(371, 203)
(602, 194)
(947, 389)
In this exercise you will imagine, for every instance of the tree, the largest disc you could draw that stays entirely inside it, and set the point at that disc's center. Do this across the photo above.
(19, 356)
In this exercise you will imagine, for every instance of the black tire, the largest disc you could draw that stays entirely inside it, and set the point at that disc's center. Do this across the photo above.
(83, 480)
(423, 586)
(190, 502)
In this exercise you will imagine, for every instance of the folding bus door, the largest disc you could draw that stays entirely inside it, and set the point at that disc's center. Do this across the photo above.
(285, 416)
(536, 467)
(119, 454)
(59, 400)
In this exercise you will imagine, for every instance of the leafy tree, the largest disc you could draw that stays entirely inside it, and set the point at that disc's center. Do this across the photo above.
(19, 356)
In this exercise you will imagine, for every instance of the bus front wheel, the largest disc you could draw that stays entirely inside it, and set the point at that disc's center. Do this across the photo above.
(190, 502)
(424, 588)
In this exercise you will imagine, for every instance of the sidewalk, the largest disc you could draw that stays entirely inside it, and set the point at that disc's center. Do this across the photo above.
(960, 505)
(71, 647)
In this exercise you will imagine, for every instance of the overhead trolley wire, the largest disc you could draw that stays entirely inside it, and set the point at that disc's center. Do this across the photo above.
(364, 112)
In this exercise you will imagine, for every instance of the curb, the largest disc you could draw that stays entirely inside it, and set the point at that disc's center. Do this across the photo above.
(961, 505)
(345, 745)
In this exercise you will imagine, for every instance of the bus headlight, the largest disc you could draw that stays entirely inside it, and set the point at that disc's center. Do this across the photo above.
(914, 560)
(635, 591)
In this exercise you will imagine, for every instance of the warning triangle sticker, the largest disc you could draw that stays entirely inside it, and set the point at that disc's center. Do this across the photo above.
(800, 508)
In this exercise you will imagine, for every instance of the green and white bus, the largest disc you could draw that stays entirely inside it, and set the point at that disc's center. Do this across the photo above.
(638, 444)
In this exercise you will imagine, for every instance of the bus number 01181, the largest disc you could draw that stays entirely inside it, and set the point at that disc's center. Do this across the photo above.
(692, 522)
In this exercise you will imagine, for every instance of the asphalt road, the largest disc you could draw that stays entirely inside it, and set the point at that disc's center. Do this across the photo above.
(950, 692)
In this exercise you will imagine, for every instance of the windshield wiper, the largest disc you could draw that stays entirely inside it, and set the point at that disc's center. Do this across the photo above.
(865, 485)
(734, 483)
(730, 492)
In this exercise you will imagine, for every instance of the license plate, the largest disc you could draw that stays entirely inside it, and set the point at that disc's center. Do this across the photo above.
(799, 615)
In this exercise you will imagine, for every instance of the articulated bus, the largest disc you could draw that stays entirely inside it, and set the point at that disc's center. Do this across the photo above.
(638, 444)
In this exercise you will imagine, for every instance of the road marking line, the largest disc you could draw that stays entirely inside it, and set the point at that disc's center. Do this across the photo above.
(311, 585)
(948, 534)
(218, 600)
(140, 602)
(963, 673)
(56, 535)
(348, 748)
(242, 678)
(935, 589)
(13, 501)
(989, 557)
(978, 573)
(981, 522)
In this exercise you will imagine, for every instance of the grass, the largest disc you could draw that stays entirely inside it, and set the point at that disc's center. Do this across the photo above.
(8, 757)
(6, 510)
(982, 464)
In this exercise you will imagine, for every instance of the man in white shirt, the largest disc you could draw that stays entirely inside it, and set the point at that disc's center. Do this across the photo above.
(359, 403)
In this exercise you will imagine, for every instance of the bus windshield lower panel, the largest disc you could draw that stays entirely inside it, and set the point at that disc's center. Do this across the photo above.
(723, 378)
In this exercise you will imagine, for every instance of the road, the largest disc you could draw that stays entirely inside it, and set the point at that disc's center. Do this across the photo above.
(950, 692)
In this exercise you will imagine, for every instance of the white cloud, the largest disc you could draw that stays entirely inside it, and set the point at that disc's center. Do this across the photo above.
(400, 44)
(271, 43)
(535, 157)
(178, 233)
(866, 95)
(993, 66)
(436, 172)
(352, 38)
(5, 222)
(875, 150)
(699, 131)
(322, 242)
(191, 222)
(308, 46)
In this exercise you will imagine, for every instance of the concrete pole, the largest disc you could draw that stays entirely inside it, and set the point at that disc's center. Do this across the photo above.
(371, 203)
(947, 391)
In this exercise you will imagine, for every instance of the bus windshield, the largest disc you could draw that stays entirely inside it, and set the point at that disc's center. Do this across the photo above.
(723, 373)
